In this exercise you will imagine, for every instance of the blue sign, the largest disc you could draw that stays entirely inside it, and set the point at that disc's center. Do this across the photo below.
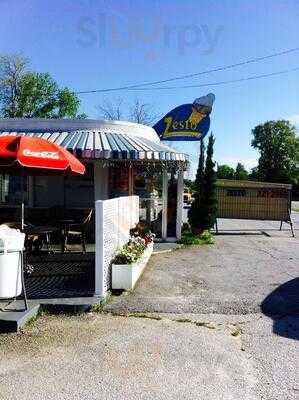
(188, 121)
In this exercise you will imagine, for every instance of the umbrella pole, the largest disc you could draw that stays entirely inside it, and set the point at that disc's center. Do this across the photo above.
(22, 223)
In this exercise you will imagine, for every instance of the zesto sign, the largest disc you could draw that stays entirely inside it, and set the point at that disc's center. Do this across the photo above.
(187, 122)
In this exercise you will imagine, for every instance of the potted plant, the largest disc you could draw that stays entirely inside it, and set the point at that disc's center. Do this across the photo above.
(130, 261)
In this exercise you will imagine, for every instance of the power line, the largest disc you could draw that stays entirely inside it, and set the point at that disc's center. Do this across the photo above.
(220, 82)
(218, 69)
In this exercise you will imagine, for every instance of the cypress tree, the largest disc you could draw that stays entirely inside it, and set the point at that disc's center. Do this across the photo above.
(208, 209)
(203, 212)
(201, 167)
(195, 206)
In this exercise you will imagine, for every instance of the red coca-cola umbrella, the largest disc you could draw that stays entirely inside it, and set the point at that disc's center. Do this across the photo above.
(24, 155)
(36, 156)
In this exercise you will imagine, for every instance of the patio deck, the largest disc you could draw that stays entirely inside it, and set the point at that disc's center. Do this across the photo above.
(61, 275)
(62, 282)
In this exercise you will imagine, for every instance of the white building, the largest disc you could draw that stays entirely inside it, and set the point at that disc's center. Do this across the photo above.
(121, 158)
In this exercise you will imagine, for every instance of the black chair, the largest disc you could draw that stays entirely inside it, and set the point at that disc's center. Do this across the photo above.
(78, 230)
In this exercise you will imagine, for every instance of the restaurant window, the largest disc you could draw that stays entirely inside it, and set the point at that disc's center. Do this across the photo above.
(172, 205)
(148, 186)
(79, 190)
(118, 182)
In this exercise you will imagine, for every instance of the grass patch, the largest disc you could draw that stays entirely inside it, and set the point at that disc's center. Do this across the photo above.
(31, 321)
(295, 209)
(189, 238)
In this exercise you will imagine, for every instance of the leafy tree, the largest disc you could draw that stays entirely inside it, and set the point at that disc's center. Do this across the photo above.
(32, 94)
(225, 172)
(279, 151)
(203, 211)
(12, 69)
(240, 173)
(254, 174)
(188, 183)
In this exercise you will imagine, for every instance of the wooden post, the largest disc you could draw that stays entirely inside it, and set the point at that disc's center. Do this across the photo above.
(131, 181)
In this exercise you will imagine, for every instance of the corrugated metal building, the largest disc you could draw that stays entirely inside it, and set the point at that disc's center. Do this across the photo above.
(114, 152)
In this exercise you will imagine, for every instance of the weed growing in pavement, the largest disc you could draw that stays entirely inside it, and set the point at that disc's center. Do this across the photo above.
(99, 306)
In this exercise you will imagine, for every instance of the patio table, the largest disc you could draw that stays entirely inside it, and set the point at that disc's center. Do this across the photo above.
(45, 231)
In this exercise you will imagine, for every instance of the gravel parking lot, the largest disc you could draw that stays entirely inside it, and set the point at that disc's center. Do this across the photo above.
(242, 273)
(209, 322)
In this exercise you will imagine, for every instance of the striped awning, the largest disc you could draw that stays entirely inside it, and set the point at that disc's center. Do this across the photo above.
(96, 144)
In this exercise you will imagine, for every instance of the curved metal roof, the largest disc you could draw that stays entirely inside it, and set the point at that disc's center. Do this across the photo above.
(92, 140)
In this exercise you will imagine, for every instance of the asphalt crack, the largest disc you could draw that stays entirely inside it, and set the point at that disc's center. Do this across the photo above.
(233, 328)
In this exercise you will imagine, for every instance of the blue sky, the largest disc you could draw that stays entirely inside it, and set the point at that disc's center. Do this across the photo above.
(92, 44)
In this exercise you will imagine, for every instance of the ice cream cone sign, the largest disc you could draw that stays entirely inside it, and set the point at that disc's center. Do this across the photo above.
(188, 121)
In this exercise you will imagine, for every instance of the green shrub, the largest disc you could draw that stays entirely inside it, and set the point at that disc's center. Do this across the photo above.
(189, 238)
(186, 227)
(207, 237)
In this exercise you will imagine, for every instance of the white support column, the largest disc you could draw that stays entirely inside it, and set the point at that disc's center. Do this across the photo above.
(180, 201)
(100, 179)
(165, 203)
(99, 258)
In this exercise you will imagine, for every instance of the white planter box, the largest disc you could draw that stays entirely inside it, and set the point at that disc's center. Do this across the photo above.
(125, 276)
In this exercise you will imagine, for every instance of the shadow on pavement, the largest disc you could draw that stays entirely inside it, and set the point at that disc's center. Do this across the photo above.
(242, 232)
(251, 232)
(282, 305)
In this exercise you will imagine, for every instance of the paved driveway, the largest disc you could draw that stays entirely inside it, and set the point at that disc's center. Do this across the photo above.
(247, 281)
(210, 342)
(238, 275)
